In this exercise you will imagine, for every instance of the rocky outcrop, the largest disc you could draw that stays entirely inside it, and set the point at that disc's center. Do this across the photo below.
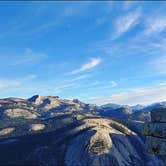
(19, 113)
(156, 133)
(6, 131)
(36, 127)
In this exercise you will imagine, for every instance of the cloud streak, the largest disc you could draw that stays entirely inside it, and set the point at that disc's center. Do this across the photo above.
(8, 83)
(28, 57)
(144, 95)
(87, 66)
(125, 23)
(155, 24)
(12, 83)
(159, 64)
(113, 84)
(70, 84)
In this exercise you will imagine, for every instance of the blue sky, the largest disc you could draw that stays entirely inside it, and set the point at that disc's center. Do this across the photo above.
(98, 52)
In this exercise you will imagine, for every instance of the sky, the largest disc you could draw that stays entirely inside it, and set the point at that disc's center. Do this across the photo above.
(98, 52)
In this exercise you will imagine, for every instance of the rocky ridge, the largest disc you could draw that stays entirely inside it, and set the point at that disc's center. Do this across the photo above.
(45, 130)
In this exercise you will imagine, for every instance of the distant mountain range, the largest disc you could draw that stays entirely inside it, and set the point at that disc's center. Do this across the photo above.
(48, 130)
(137, 107)
(137, 112)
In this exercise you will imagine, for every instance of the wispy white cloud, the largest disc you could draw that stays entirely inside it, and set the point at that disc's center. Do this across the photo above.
(154, 52)
(127, 5)
(8, 83)
(108, 8)
(28, 57)
(93, 62)
(155, 24)
(70, 83)
(16, 82)
(126, 22)
(113, 84)
(159, 64)
(56, 15)
(64, 86)
(68, 11)
(107, 85)
(101, 20)
(81, 77)
(144, 95)
(76, 9)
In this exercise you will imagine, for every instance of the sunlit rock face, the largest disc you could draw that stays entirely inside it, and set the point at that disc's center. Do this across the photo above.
(156, 132)
(36, 127)
(107, 143)
(100, 143)
(20, 113)
(49, 105)
(45, 101)
(6, 131)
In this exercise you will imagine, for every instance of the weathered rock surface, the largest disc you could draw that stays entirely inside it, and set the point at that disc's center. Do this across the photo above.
(19, 113)
(36, 127)
(6, 131)
(156, 132)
